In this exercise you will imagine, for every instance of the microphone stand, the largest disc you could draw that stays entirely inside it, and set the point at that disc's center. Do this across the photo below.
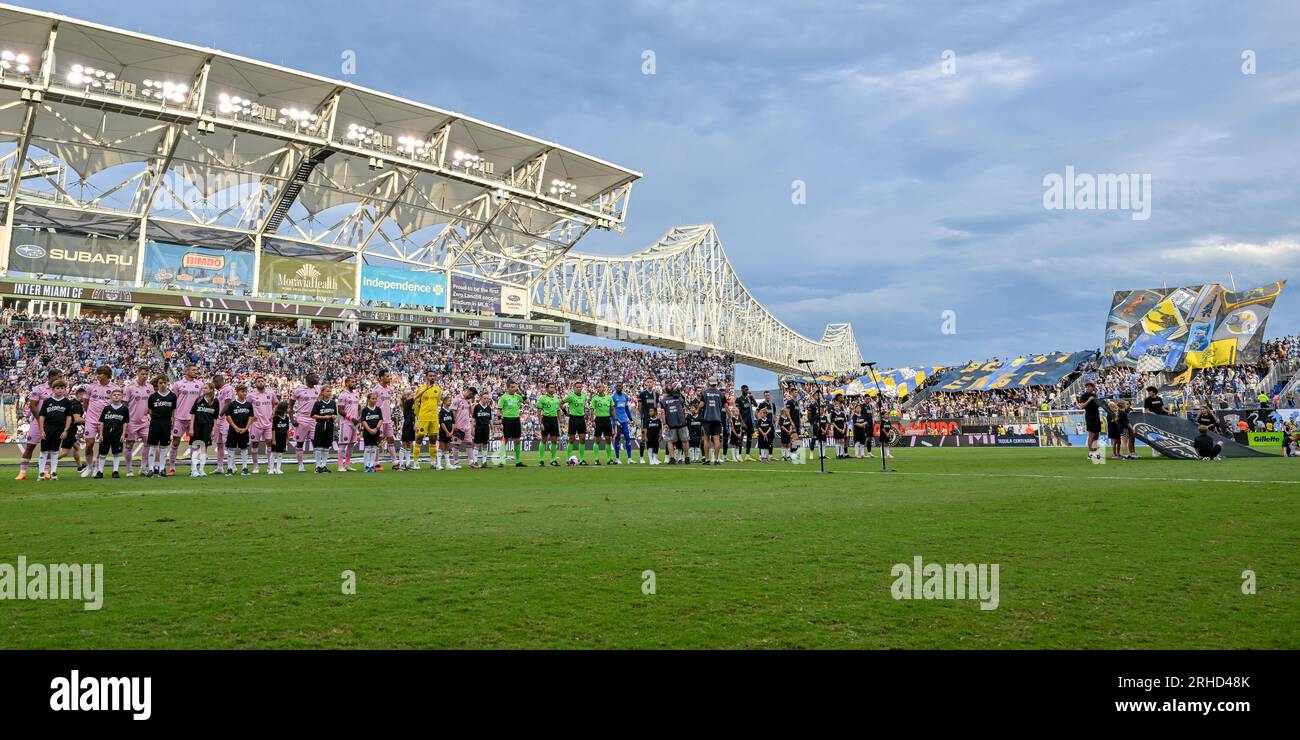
(880, 409)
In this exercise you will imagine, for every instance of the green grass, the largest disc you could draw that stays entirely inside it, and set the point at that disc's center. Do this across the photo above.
(1145, 554)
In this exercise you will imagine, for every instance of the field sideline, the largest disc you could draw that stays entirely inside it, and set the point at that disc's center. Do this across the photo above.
(1143, 554)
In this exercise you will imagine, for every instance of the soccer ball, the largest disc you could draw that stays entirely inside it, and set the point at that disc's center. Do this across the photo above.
(573, 459)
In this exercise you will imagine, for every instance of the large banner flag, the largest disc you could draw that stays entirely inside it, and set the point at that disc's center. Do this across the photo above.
(404, 285)
(1172, 437)
(196, 268)
(895, 383)
(307, 277)
(1021, 372)
(1197, 326)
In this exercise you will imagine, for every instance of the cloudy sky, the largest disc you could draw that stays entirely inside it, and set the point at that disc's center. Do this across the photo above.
(924, 180)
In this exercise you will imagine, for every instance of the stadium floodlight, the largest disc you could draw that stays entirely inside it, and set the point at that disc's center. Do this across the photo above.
(414, 146)
(90, 78)
(18, 61)
(565, 189)
(472, 162)
(165, 91)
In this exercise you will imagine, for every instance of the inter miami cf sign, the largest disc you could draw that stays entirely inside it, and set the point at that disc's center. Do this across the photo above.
(1172, 436)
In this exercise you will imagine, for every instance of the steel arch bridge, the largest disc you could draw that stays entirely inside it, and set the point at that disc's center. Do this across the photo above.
(683, 293)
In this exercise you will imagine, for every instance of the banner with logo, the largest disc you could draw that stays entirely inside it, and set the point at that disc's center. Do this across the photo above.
(307, 277)
(1195, 326)
(1022, 372)
(403, 285)
(1264, 439)
(894, 383)
(44, 252)
(196, 268)
(1172, 437)
(514, 301)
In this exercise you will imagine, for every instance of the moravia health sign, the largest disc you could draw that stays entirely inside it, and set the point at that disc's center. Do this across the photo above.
(44, 252)
(306, 277)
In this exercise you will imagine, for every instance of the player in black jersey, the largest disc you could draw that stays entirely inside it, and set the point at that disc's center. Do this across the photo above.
(860, 424)
(69, 444)
(1091, 419)
(281, 423)
(239, 417)
(113, 420)
(652, 426)
(764, 429)
(785, 432)
(482, 413)
(840, 430)
(370, 422)
(647, 402)
(324, 412)
(696, 426)
(446, 430)
(161, 409)
(406, 458)
(203, 420)
(55, 418)
(738, 436)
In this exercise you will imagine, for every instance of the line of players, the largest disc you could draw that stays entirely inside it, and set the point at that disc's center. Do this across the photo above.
(150, 417)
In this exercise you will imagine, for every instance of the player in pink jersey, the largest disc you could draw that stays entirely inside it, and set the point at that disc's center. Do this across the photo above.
(349, 408)
(304, 398)
(34, 401)
(261, 433)
(225, 394)
(136, 394)
(98, 394)
(384, 394)
(463, 406)
(187, 390)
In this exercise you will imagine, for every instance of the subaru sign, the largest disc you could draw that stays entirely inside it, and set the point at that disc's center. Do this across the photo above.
(398, 285)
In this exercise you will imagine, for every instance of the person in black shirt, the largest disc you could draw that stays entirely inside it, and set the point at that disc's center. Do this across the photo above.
(647, 402)
(203, 419)
(859, 430)
(161, 406)
(370, 423)
(696, 427)
(1153, 403)
(1205, 416)
(785, 429)
(446, 430)
(113, 420)
(652, 425)
(746, 404)
(239, 417)
(1124, 432)
(69, 443)
(281, 423)
(1206, 446)
(55, 419)
(840, 430)
(324, 412)
(1091, 418)
(711, 408)
(482, 413)
(408, 461)
(764, 431)
(738, 435)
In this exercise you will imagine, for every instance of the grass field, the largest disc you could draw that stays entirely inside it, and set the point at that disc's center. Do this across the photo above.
(1145, 554)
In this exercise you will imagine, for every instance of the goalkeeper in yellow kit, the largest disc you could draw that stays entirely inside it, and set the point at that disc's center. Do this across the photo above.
(427, 400)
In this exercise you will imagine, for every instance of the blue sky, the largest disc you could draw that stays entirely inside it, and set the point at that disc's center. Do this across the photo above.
(924, 189)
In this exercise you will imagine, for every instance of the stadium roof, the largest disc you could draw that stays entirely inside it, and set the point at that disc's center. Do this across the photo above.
(285, 160)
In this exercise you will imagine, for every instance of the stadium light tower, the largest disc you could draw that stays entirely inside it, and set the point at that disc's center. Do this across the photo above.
(880, 414)
(816, 419)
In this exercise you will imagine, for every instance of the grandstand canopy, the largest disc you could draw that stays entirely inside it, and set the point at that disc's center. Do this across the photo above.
(111, 132)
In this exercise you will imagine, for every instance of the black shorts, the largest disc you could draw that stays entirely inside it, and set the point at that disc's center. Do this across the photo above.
(859, 436)
(785, 438)
(110, 446)
(279, 442)
(1093, 427)
(322, 437)
(201, 434)
(510, 428)
(70, 441)
(764, 443)
(443, 437)
(652, 438)
(604, 426)
(370, 440)
(482, 434)
(159, 435)
(50, 442)
(408, 433)
(577, 425)
(550, 426)
(239, 440)
(712, 428)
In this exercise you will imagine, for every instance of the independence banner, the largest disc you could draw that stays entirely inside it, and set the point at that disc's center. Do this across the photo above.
(196, 268)
(44, 252)
(1022, 372)
(403, 285)
(307, 277)
(1195, 326)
